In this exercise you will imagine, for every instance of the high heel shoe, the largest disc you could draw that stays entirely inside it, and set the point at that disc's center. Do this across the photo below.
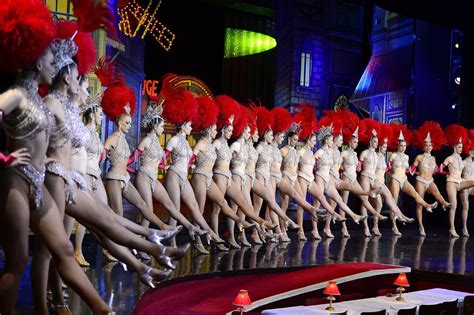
(233, 244)
(245, 225)
(158, 236)
(376, 232)
(290, 224)
(358, 218)
(382, 217)
(165, 261)
(201, 249)
(60, 309)
(301, 236)
(81, 260)
(396, 232)
(146, 278)
(432, 206)
(144, 256)
(315, 235)
(453, 233)
(109, 257)
(422, 231)
(256, 239)
(337, 217)
(446, 206)
(328, 233)
(345, 232)
(243, 240)
(367, 233)
(318, 214)
(465, 233)
(268, 225)
(177, 253)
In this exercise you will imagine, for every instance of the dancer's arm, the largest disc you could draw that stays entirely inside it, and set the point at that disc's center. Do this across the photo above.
(11, 100)
(19, 157)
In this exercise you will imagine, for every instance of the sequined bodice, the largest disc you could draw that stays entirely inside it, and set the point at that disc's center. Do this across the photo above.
(31, 121)
(120, 152)
(94, 148)
(291, 159)
(80, 135)
(370, 162)
(336, 157)
(265, 156)
(253, 156)
(182, 151)
(276, 154)
(427, 164)
(307, 158)
(61, 132)
(456, 164)
(224, 155)
(325, 159)
(401, 161)
(208, 157)
(381, 163)
(468, 170)
(351, 159)
(154, 153)
(241, 158)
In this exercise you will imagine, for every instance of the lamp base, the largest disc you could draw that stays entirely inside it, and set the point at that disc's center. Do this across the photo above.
(400, 298)
(330, 308)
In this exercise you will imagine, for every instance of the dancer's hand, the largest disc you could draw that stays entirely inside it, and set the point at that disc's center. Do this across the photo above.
(19, 157)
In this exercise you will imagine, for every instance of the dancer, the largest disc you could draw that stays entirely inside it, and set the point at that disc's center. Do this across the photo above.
(284, 168)
(27, 122)
(151, 157)
(468, 175)
(348, 126)
(374, 167)
(306, 119)
(180, 107)
(202, 182)
(399, 166)
(324, 161)
(428, 137)
(456, 136)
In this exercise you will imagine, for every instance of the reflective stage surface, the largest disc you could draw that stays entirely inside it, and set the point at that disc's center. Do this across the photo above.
(435, 252)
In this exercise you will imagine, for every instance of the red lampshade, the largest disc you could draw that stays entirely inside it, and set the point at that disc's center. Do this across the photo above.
(402, 280)
(332, 289)
(242, 299)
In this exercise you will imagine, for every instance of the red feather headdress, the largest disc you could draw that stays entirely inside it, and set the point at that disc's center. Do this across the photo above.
(469, 141)
(117, 95)
(398, 131)
(281, 120)
(264, 120)
(86, 53)
(436, 135)
(241, 122)
(350, 123)
(206, 114)
(26, 30)
(385, 133)
(455, 133)
(331, 118)
(305, 117)
(180, 106)
(252, 117)
(369, 127)
(228, 110)
(92, 16)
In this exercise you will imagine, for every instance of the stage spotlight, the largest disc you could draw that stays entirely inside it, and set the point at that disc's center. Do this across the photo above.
(454, 106)
(457, 80)
(456, 45)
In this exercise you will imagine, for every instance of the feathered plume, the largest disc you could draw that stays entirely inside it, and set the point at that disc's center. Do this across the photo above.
(437, 137)
(397, 128)
(332, 118)
(180, 106)
(281, 120)
(206, 114)
(306, 117)
(385, 132)
(92, 16)
(228, 110)
(264, 120)
(241, 122)
(369, 127)
(86, 53)
(108, 73)
(251, 111)
(455, 133)
(26, 30)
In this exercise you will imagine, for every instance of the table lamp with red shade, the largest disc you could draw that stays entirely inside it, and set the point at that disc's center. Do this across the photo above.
(401, 282)
(331, 290)
(242, 299)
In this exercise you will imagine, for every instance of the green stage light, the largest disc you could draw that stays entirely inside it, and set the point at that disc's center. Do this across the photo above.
(242, 43)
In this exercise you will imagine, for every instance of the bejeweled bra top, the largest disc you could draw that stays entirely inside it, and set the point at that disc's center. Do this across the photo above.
(80, 135)
(336, 157)
(120, 152)
(401, 161)
(253, 155)
(182, 150)
(265, 157)
(468, 170)
(223, 154)
(291, 158)
(381, 163)
(307, 159)
(94, 147)
(61, 132)
(428, 163)
(241, 158)
(370, 162)
(276, 154)
(456, 164)
(325, 159)
(351, 161)
(154, 153)
(209, 155)
(33, 120)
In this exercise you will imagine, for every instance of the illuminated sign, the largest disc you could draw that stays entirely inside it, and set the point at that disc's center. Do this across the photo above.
(242, 43)
(149, 88)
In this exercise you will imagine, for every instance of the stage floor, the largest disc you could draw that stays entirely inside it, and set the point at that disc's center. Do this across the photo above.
(435, 252)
